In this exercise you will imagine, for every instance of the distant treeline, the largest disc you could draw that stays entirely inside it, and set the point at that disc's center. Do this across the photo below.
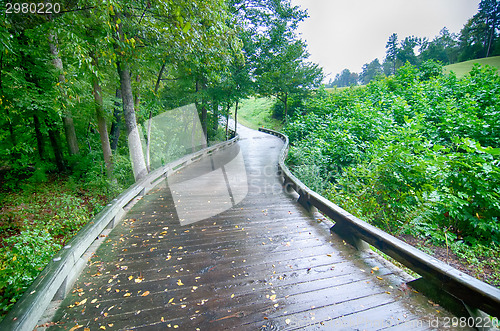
(478, 38)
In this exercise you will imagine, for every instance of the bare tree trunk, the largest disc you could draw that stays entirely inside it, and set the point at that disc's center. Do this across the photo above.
(69, 126)
(101, 120)
(236, 117)
(137, 94)
(115, 127)
(227, 119)
(134, 140)
(56, 148)
(215, 110)
(39, 137)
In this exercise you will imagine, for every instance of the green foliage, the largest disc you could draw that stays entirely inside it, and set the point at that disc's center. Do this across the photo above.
(22, 259)
(414, 153)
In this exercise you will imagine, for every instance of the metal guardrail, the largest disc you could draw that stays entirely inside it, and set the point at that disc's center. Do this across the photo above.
(58, 276)
(476, 295)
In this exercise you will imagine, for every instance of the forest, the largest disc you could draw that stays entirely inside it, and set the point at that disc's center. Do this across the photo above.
(78, 78)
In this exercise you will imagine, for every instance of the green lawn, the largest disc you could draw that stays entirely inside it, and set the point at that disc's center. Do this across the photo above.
(256, 112)
(463, 68)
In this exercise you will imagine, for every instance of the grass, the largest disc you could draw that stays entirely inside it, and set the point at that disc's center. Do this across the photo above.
(338, 89)
(463, 68)
(256, 112)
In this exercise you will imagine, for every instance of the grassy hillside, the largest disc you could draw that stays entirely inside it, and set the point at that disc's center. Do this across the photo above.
(462, 68)
(256, 112)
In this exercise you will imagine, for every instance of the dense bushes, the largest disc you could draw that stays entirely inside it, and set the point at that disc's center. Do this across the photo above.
(415, 153)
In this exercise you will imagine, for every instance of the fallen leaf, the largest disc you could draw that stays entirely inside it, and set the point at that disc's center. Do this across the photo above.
(145, 294)
(76, 327)
(130, 277)
(81, 302)
(138, 280)
(379, 278)
(179, 282)
(171, 300)
(127, 294)
(102, 327)
(287, 321)
(375, 268)
(273, 297)
(93, 301)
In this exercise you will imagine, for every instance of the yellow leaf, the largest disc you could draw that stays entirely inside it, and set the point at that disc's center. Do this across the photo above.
(81, 302)
(76, 327)
(287, 321)
(273, 297)
(379, 278)
(179, 282)
(93, 301)
(127, 294)
(232, 295)
(168, 257)
(171, 300)
(145, 294)
(102, 327)
(14, 258)
(375, 268)
(130, 277)
(138, 280)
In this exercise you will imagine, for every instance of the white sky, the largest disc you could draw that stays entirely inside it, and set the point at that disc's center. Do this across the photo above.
(349, 33)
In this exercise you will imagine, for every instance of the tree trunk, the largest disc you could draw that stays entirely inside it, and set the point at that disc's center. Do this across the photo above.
(69, 126)
(134, 140)
(115, 127)
(285, 101)
(227, 119)
(39, 137)
(7, 113)
(101, 120)
(215, 110)
(137, 94)
(56, 148)
(236, 117)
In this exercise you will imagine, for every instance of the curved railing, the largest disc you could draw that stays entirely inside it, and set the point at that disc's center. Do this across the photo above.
(436, 275)
(59, 275)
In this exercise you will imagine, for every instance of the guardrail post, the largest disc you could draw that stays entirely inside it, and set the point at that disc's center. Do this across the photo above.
(346, 234)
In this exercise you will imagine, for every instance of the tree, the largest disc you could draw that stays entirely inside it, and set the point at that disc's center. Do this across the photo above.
(489, 10)
(406, 53)
(278, 56)
(345, 78)
(122, 28)
(392, 51)
(370, 71)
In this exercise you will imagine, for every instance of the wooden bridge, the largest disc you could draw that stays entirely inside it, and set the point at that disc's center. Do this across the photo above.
(264, 264)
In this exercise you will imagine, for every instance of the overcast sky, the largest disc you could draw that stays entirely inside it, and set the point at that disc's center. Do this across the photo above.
(349, 33)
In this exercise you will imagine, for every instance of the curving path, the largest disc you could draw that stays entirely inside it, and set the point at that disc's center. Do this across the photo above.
(265, 264)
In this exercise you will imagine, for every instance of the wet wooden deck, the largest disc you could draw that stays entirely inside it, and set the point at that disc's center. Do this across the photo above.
(265, 264)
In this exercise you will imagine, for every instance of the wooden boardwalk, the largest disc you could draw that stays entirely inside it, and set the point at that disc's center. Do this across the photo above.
(265, 264)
